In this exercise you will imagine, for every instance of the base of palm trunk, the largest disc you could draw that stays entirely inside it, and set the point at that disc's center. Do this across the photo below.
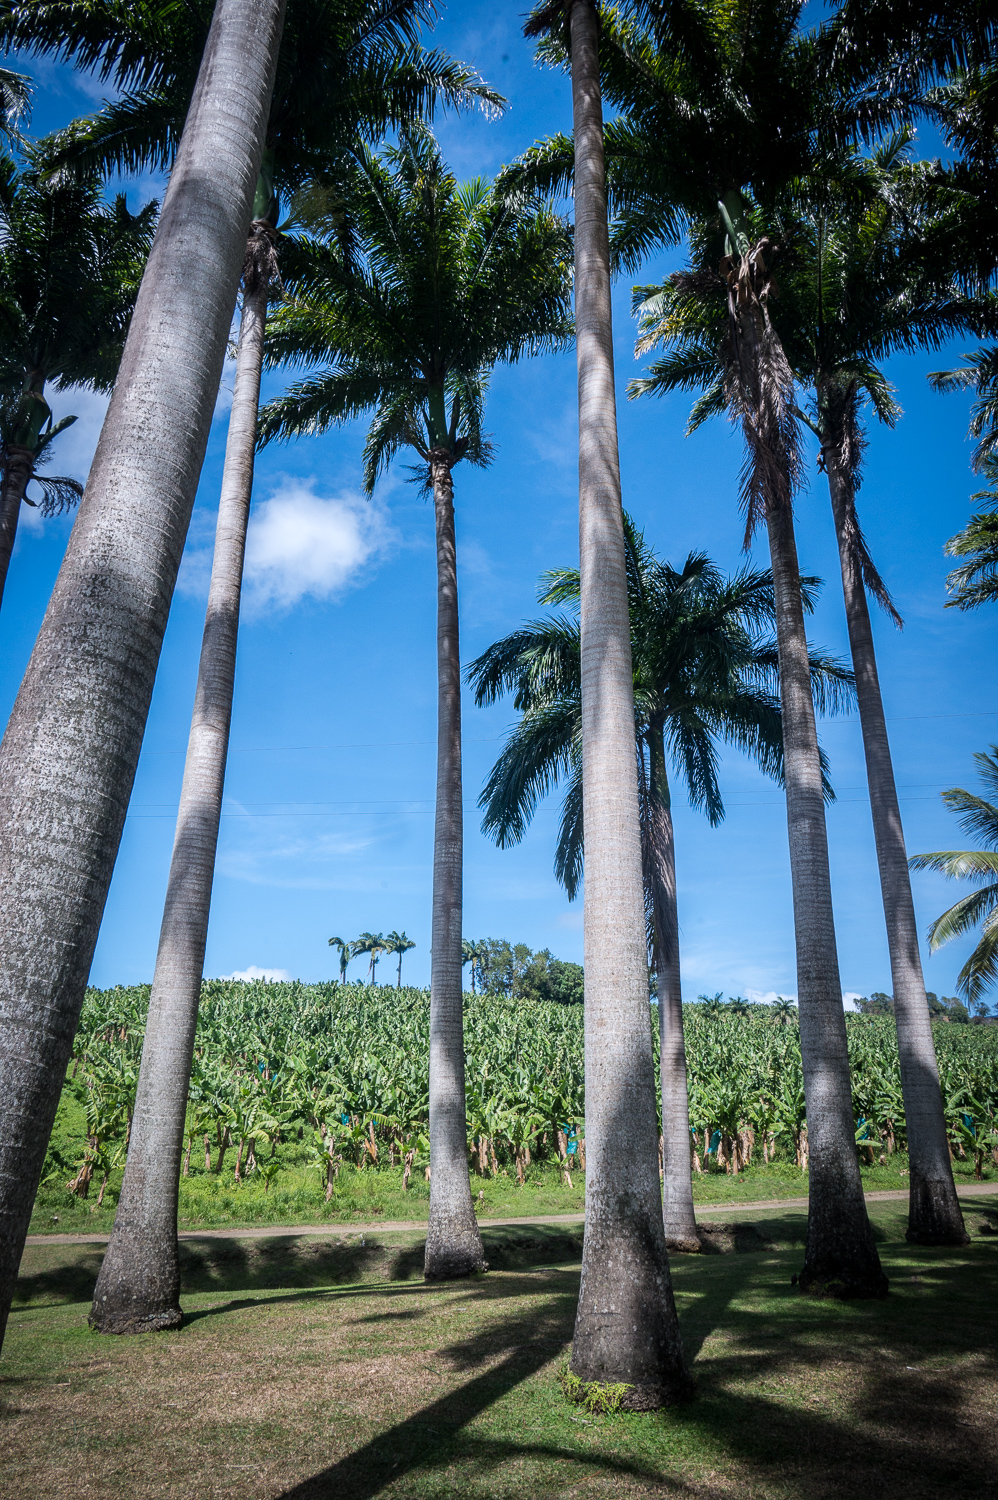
(934, 1216)
(138, 1285)
(852, 1280)
(134, 1322)
(453, 1251)
(683, 1243)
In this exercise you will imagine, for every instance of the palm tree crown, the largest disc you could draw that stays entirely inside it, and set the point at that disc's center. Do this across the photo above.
(979, 818)
(346, 67)
(410, 309)
(399, 943)
(705, 670)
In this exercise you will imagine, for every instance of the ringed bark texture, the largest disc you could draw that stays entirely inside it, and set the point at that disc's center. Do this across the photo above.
(453, 1240)
(626, 1328)
(678, 1213)
(69, 754)
(18, 467)
(138, 1288)
(840, 1256)
(934, 1216)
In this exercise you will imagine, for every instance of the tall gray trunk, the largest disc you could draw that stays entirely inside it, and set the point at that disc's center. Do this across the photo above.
(138, 1288)
(840, 1256)
(68, 757)
(660, 858)
(18, 467)
(626, 1328)
(934, 1216)
(453, 1241)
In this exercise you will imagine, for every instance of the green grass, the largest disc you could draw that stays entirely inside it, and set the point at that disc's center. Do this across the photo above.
(296, 1194)
(320, 1369)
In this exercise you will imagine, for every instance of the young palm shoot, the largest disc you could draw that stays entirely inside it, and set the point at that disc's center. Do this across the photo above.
(421, 288)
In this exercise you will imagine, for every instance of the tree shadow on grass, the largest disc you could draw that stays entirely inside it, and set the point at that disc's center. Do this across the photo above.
(68, 1273)
(432, 1437)
(480, 1287)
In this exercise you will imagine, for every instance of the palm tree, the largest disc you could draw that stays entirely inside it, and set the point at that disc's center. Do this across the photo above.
(366, 59)
(373, 944)
(724, 106)
(625, 1261)
(975, 581)
(704, 670)
(979, 819)
(345, 947)
(785, 1011)
(69, 753)
(397, 942)
(70, 265)
(422, 287)
(472, 953)
(859, 287)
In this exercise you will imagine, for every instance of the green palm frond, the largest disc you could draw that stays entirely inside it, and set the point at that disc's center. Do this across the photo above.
(979, 818)
(705, 672)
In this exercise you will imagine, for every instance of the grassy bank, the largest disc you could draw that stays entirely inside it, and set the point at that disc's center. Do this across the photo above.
(295, 1195)
(311, 1370)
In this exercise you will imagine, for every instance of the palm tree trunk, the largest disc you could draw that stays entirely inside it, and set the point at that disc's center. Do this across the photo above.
(677, 1179)
(18, 467)
(626, 1328)
(138, 1288)
(840, 1255)
(69, 754)
(934, 1216)
(453, 1241)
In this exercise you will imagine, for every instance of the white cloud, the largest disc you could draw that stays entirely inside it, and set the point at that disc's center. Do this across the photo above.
(254, 971)
(767, 997)
(849, 999)
(301, 544)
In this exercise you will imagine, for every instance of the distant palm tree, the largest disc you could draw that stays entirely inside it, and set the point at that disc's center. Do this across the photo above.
(413, 291)
(345, 946)
(70, 266)
(397, 942)
(705, 669)
(978, 818)
(784, 1010)
(472, 953)
(712, 1004)
(862, 285)
(975, 581)
(373, 944)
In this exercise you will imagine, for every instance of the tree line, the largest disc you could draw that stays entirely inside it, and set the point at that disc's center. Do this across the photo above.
(780, 155)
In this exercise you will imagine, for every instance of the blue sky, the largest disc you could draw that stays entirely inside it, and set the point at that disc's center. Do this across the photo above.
(327, 827)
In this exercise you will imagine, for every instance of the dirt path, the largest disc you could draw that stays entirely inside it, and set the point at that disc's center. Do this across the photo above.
(383, 1226)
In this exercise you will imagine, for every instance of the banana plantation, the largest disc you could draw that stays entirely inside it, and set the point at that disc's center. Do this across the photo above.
(327, 1075)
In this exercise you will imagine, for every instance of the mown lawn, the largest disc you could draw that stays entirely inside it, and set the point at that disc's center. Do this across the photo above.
(327, 1369)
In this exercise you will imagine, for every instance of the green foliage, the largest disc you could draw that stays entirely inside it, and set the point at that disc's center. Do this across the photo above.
(978, 818)
(600, 1398)
(515, 972)
(329, 1081)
